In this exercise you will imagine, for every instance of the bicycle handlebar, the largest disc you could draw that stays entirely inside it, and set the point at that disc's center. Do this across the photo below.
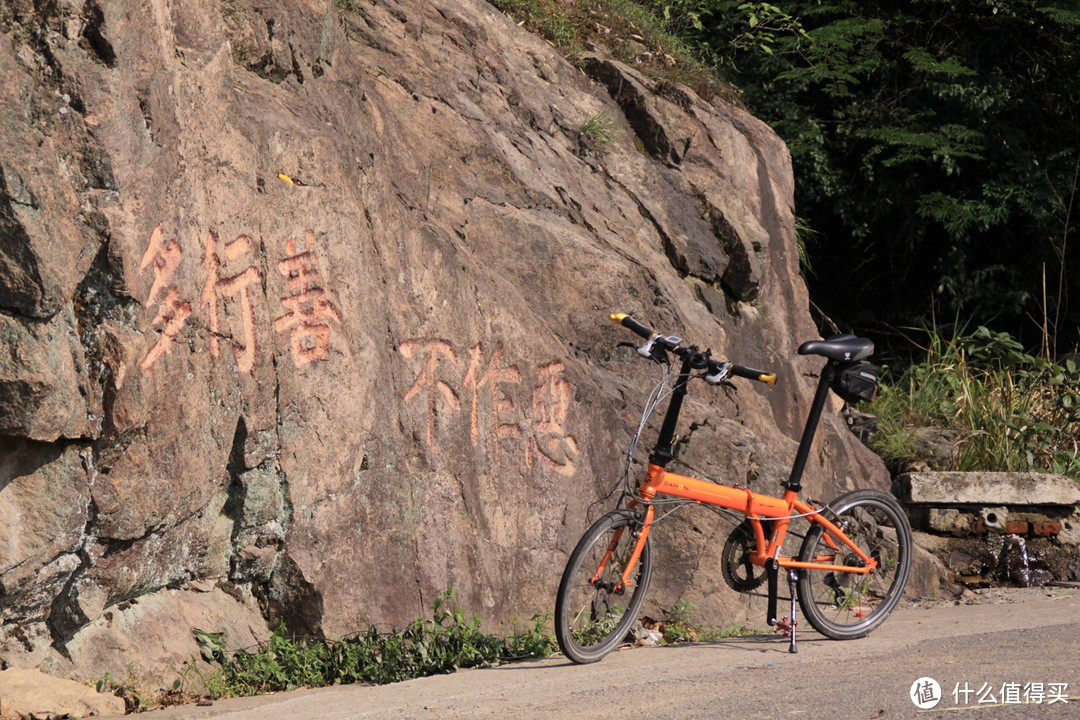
(631, 324)
(750, 374)
(674, 344)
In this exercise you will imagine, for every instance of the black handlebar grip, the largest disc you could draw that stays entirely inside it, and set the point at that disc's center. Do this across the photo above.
(631, 324)
(759, 375)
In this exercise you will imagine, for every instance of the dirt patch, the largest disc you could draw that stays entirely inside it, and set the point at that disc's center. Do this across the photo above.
(999, 596)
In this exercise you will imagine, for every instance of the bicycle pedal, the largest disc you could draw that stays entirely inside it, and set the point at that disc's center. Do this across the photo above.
(785, 626)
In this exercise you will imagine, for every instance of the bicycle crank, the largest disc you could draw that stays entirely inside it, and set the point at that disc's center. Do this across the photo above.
(740, 574)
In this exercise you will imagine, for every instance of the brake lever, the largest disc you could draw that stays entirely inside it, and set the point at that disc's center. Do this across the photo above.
(720, 376)
(646, 350)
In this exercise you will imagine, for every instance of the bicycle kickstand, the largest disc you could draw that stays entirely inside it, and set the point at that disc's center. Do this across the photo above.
(784, 625)
(792, 579)
(787, 625)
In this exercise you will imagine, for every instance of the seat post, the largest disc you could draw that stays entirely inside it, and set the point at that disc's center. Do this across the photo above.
(794, 481)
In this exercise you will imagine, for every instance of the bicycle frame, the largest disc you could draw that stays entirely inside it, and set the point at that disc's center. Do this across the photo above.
(755, 506)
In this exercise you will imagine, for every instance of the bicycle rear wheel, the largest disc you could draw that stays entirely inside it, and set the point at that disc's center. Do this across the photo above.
(846, 605)
(594, 612)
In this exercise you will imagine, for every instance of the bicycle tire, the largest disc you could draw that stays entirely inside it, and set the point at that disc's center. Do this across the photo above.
(593, 618)
(846, 605)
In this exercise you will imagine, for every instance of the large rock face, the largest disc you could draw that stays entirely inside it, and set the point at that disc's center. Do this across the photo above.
(306, 302)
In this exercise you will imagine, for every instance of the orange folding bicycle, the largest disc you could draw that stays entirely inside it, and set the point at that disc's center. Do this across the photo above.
(854, 560)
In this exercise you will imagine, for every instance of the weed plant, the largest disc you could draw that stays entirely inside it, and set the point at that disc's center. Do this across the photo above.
(1011, 410)
(600, 129)
(127, 688)
(449, 641)
(678, 626)
(635, 33)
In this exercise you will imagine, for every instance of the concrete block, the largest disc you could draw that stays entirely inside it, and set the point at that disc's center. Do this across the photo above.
(947, 521)
(989, 488)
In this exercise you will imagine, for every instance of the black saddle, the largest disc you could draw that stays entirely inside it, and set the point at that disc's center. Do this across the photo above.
(842, 348)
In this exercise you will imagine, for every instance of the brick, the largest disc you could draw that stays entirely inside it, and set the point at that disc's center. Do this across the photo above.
(1016, 527)
(1046, 529)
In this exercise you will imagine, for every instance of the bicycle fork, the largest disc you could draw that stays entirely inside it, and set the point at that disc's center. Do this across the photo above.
(785, 625)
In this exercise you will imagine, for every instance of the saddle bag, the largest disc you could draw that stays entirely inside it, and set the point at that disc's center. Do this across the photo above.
(856, 381)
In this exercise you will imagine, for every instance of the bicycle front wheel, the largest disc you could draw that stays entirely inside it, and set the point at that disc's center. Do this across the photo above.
(845, 605)
(594, 610)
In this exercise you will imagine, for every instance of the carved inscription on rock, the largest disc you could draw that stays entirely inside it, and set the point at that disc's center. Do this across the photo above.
(309, 311)
(502, 415)
(164, 258)
(551, 443)
(489, 379)
(233, 271)
(436, 392)
(241, 284)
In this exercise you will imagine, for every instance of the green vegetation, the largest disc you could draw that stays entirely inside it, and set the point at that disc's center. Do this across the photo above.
(139, 699)
(637, 33)
(449, 641)
(530, 640)
(934, 145)
(679, 626)
(599, 628)
(599, 129)
(1008, 410)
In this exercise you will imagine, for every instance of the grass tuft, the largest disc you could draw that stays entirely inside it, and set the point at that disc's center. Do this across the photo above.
(443, 644)
(637, 34)
(1006, 409)
(678, 625)
(600, 129)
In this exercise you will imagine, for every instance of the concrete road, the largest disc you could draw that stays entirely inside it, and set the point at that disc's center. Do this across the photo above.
(1018, 646)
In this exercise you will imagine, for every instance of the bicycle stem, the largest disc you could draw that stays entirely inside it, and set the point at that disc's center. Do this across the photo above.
(663, 452)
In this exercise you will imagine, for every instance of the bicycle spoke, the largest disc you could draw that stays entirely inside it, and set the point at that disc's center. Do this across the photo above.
(842, 604)
(594, 611)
